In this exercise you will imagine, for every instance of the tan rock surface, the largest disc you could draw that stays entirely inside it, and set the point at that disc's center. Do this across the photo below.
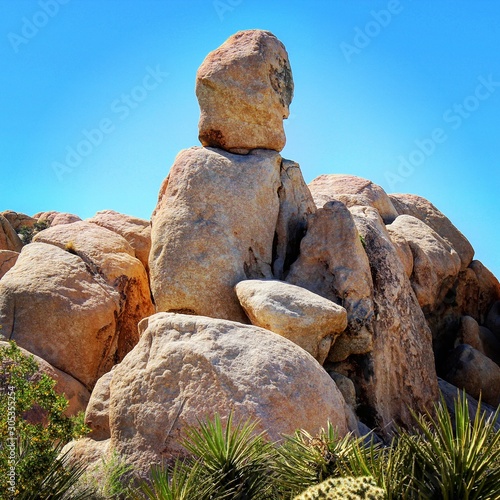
(477, 374)
(110, 256)
(332, 263)
(54, 306)
(97, 414)
(400, 372)
(213, 227)
(187, 368)
(352, 191)
(76, 393)
(18, 220)
(488, 289)
(7, 260)
(244, 89)
(424, 210)
(469, 333)
(136, 231)
(9, 240)
(402, 248)
(296, 204)
(305, 318)
(435, 263)
(57, 218)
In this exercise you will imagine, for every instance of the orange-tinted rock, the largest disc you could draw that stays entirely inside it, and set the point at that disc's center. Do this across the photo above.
(244, 89)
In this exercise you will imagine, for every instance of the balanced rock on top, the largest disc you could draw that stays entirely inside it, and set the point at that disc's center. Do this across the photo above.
(244, 89)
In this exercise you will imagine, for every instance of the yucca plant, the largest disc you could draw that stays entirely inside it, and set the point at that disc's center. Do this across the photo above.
(181, 482)
(455, 459)
(390, 466)
(304, 460)
(234, 461)
(59, 480)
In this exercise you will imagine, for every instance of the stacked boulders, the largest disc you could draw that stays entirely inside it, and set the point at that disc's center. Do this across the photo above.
(291, 304)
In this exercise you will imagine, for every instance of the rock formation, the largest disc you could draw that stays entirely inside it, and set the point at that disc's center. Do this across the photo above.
(382, 290)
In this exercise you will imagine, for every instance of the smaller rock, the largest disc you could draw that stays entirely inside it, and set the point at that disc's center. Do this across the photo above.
(493, 318)
(9, 240)
(97, 414)
(490, 344)
(7, 260)
(305, 318)
(352, 191)
(57, 218)
(346, 387)
(478, 375)
(489, 289)
(136, 231)
(468, 333)
(424, 210)
(403, 249)
(18, 220)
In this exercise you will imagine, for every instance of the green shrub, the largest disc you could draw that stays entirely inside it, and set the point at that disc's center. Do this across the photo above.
(33, 425)
(345, 488)
(26, 233)
(304, 460)
(455, 458)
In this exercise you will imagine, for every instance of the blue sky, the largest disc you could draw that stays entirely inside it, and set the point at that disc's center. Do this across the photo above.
(403, 92)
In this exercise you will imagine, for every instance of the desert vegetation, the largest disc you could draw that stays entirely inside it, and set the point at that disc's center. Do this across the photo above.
(446, 455)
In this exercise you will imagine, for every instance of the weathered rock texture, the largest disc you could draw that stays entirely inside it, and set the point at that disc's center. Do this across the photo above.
(410, 204)
(55, 306)
(471, 370)
(136, 231)
(296, 205)
(18, 220)
(435, 263)
(244, 89)
(352, 191)
(56, 218)
(399, 372)
(109, 256)
(186, 368)
(332, 263)
(212, 228)
(307, 319)
(9, 240)
(7, 260)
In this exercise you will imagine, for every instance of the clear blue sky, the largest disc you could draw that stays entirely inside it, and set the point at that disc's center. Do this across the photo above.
(375, 83)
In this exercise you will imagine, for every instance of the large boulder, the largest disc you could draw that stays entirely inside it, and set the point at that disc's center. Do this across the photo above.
(352, 191)
(410, 204)
(296, 205)
(7, 260)
(478, 375)
(9, 240)
(332, 263)
(111, 257)
(56, 307)
(399, 374)
(74, 391)
(435, 263)
(136, 231)
(213, 227)
(187, 368)
(244, 89)
(305, 318)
